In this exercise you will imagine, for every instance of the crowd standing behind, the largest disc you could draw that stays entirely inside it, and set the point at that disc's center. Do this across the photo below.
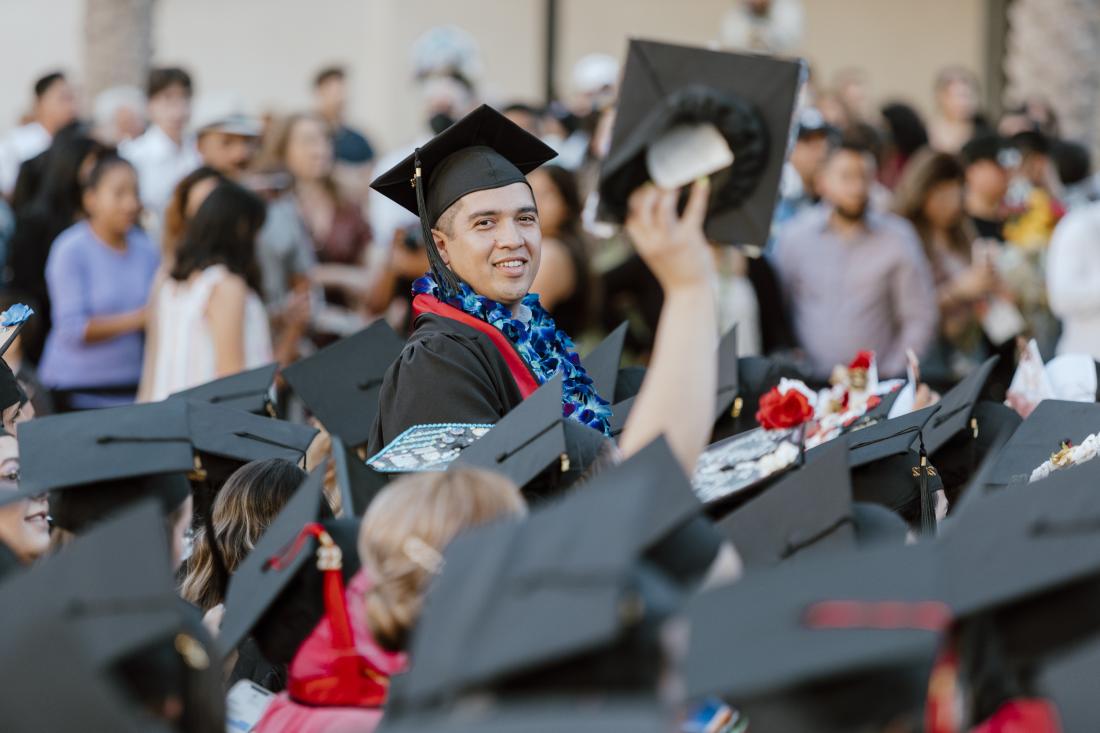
(978, 204)
(179, 240)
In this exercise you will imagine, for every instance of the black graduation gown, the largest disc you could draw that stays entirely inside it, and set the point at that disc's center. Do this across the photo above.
(447, 372)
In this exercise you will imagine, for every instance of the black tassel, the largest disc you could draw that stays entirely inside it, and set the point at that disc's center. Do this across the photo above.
(927, 505)
(444, 277)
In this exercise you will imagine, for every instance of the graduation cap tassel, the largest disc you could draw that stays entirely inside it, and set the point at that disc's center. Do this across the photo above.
(447, 281)
(927, 508)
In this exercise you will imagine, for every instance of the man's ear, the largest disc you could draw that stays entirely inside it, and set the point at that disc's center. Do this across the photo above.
(441, 244)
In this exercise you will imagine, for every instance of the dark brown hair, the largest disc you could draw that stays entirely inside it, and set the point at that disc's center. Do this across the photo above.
(926, 170)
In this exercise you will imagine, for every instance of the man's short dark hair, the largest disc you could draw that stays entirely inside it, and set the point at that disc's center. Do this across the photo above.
(43, 85)
(327, 74)
(167, 76)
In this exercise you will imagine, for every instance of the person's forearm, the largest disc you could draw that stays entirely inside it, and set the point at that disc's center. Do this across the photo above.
(677, 397)
(105, 328)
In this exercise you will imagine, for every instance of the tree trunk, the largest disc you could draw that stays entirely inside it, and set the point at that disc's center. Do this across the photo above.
(118, 44)
(1054, 54)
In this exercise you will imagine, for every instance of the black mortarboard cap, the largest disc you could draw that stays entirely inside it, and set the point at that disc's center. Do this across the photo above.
(11, 392)
(341, 382)
(602, 363)
(1029, 555)
(483, 150)
(243, 437)
(1041, 435)
(101, 460)
(805, 513)
(812, 638)
(54, 684)
(113, 584)
(249, 391)
(750, 99)
(957, 408)
(573, 578)
(358, 482)
(259, 585)
(533, 439)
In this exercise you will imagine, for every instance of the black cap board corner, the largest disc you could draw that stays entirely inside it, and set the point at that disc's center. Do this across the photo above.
(728, 376)
(524, 442)
(602, 363)
(749, 99)
(358, 482)
(957, 407)
(341, 382)
(248, 390)
(243, 436)
(807, 512)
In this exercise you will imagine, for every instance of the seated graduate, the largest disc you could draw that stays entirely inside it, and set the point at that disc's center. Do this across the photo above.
(481, 342)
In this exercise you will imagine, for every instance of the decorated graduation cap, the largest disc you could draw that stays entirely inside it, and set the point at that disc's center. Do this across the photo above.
(536, 447)
(688, 112)
(358, 483)
(249, 391)
(1046, 431)
(483, 150)
(570, 597)
(11, 323)
(340, 383)
(98, 461)
(806, 513)
(836, 643)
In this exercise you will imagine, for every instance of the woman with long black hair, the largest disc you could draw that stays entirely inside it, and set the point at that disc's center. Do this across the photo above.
(206, 318)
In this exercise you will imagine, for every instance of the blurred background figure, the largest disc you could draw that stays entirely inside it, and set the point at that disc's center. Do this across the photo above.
(352, 151)
(55, 106)
(764, 26)
(958, 117)
(99, 274)
(118, 115)
(165, 152)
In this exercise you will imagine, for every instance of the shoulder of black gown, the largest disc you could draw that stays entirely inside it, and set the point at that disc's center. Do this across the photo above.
(447, 372)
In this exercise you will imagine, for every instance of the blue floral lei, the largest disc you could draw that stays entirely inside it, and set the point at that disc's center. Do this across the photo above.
(544, 348)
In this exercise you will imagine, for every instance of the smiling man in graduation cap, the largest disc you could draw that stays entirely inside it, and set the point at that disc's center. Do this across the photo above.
(482, 343)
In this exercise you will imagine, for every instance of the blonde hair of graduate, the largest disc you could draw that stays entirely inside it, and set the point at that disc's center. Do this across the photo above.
(407, 528)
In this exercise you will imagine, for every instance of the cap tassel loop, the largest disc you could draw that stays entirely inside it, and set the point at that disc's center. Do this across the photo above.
(352, 681)
(447, 280)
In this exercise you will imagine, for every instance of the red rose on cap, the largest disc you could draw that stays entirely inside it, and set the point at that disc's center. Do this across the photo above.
(783, 410)
(862, 360)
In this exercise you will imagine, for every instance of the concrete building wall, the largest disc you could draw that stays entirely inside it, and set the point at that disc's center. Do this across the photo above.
(269, 49)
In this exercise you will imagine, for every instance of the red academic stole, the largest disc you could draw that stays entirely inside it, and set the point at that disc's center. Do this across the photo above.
(525, 380)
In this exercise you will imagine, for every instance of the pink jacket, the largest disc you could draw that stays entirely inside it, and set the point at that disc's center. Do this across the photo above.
(314, 657)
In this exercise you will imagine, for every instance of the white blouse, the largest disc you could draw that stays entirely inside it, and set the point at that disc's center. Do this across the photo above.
(184, 356)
